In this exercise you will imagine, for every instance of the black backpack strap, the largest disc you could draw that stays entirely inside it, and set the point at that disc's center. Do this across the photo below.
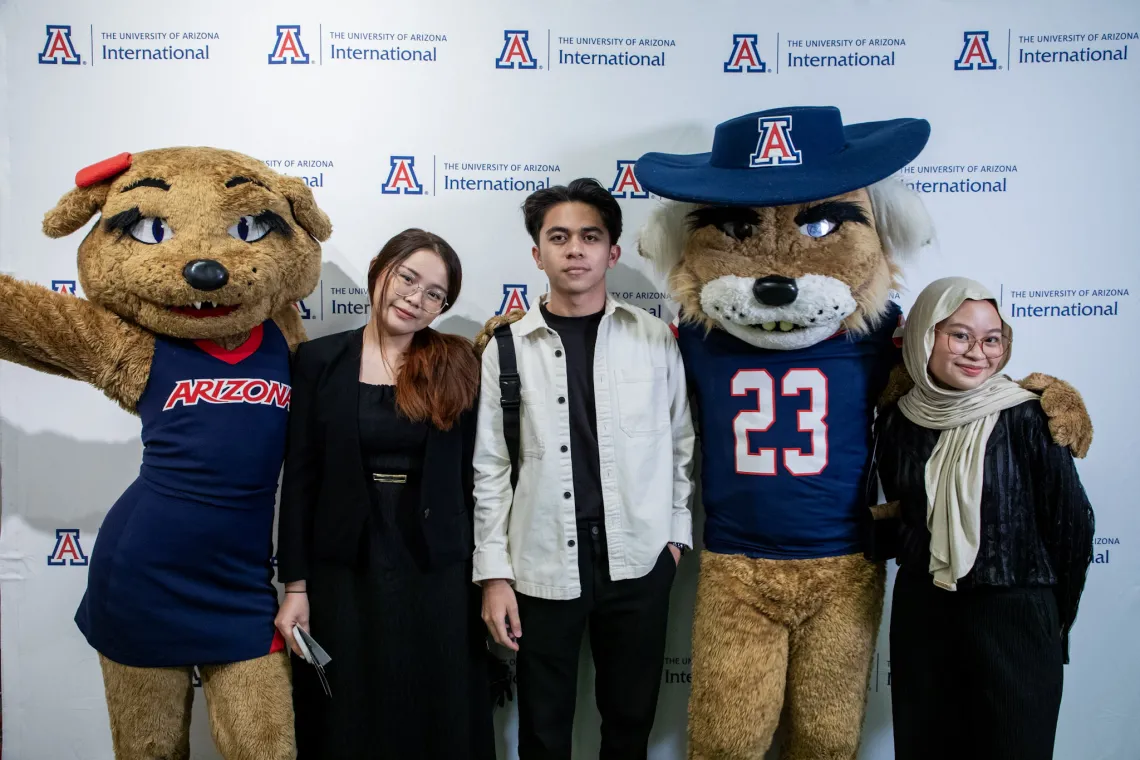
(510, 390)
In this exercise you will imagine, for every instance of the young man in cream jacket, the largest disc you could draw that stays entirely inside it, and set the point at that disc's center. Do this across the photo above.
(590, 538)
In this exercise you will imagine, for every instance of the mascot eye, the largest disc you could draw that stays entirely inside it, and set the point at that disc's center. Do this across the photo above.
(150, 230)
(249, 229)
(738, 230)
(818, 229)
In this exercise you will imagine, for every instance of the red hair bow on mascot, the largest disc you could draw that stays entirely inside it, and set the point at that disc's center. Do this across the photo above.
(782, 246)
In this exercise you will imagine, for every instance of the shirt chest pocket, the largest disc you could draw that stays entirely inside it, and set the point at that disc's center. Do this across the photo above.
(533, 425)
(643, 401)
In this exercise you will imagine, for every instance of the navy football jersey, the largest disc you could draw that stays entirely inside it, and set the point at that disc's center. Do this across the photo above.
(786, 438)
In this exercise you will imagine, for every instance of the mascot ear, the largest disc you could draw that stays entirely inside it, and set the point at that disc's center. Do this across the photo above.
(664, 235)
(75, 209)
(305, 211)
(903, 222)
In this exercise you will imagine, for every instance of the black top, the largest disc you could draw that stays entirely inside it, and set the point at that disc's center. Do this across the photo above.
(390, 443)
(325, 500)
(1036, 521)
(578, 335)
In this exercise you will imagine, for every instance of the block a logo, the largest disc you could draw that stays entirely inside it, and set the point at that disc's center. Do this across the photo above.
(67, 549)
(975, 55)
(625, 183)
(306, 313)
(402, 178)
(59, 48)
(288, 48)
(67, 287)
(516, 51)
(775, 146)
(514, 297)
(744, 59)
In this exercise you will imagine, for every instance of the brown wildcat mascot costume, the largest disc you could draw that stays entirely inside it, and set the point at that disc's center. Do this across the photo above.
(191, 275)
(783, 244)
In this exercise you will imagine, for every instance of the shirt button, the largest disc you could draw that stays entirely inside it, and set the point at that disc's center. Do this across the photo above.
(570, 542)
(593, 530)
(427, 512)
(558, 353)
(566, 495)
(565, 449)
(561, 399)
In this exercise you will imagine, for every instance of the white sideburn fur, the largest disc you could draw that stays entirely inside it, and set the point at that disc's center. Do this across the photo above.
(816, 314)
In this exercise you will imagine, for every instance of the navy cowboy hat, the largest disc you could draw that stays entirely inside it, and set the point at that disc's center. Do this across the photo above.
(784, 156)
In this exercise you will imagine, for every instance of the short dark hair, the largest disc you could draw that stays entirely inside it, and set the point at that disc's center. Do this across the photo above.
(582, 190)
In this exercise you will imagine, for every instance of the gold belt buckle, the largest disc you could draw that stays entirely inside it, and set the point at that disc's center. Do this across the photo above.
(381, 477)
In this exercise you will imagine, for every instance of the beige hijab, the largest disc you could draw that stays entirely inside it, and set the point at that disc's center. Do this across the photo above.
(966, 419)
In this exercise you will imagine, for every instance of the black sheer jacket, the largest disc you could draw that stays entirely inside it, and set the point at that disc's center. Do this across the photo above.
(1037, 523)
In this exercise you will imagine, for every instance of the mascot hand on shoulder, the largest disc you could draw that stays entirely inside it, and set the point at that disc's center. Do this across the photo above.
(191, 275)
(782, 245)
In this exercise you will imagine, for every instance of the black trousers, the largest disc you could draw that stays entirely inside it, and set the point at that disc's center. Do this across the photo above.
(974, 673)
(627, 623)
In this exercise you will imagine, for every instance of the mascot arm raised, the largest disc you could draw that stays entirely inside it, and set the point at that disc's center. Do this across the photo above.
(69, 336)
(1069, 420)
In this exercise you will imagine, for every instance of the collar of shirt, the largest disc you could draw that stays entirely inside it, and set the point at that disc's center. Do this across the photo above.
(534, 319)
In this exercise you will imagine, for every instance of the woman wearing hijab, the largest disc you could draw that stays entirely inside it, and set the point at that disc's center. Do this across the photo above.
(996, 540)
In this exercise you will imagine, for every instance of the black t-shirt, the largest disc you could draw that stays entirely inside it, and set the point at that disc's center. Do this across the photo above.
(578, 335)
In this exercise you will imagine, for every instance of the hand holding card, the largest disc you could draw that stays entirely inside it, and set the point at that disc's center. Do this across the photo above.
(312, 653)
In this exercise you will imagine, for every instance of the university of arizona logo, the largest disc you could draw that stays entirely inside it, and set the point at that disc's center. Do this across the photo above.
(745, 59)
(67, 287)
(402, 178)
(514, 298)
(59, 48)
(516, 51)
(67, 549)
(625, 183)
(306, 313)
(775, 146)
(975, 55)
(288, 48)
(229, 391)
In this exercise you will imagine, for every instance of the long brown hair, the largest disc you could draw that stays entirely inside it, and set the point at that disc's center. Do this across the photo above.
(439, 378)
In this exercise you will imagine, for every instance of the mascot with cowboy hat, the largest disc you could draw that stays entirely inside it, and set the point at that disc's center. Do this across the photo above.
(782, 246)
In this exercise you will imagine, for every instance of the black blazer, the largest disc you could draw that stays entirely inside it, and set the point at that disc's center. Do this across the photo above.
(324, 494)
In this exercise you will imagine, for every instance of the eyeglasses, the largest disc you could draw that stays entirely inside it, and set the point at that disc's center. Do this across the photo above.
(960, 343)
(434, 299)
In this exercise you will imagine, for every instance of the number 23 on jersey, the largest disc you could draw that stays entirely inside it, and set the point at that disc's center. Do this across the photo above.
(811, 420)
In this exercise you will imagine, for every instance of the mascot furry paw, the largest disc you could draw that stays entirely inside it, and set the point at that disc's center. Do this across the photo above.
(191, 272)
(782, 246)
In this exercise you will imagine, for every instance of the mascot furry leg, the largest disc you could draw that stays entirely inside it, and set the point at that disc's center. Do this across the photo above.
(764, 629)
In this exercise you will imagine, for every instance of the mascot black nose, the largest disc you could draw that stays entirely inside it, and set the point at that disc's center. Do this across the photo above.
(775, 290)
(204, 274)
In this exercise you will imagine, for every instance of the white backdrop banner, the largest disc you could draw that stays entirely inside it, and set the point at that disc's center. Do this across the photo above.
(445, 114)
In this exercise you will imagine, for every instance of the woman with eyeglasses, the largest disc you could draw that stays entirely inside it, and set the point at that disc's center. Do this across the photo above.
(996, 540)
(375, 539)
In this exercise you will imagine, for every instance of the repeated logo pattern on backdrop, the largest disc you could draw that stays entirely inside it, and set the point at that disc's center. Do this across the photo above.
(447, 116)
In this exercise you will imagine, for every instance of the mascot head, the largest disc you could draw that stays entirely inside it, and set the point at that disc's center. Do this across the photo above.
(193, 243)
(791, 229)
